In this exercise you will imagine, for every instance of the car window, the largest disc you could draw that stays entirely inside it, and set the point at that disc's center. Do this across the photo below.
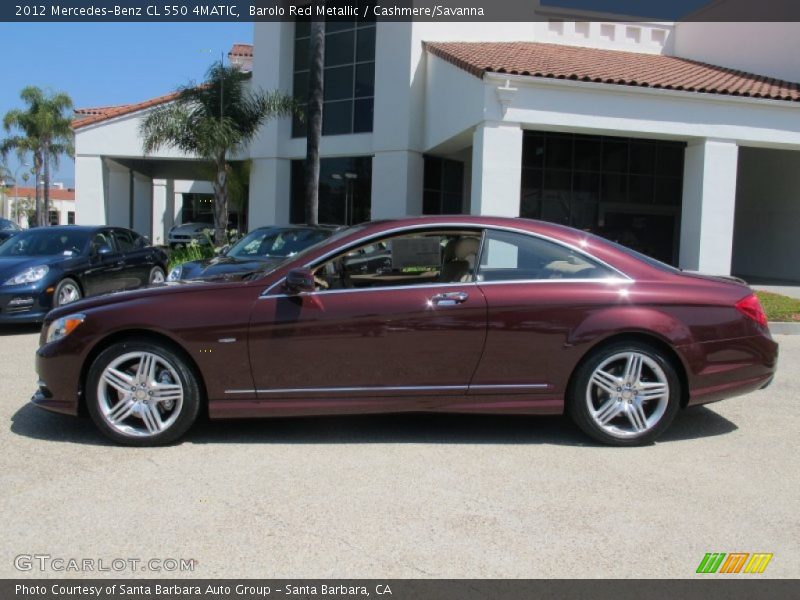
(45, 242)
(123, 240)
(509, 256)
(412, 259)
(102, 238)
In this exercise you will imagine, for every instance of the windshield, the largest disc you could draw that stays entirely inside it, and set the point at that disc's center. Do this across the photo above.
(5, 224)
(46, 242)
(277, 242)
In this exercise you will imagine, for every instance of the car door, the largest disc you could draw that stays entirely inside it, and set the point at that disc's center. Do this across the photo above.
(136, 268)
(537, 291)
(394, 319)
(103, 273)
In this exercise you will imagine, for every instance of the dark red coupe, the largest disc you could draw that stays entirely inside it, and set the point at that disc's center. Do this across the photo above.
(449, 314)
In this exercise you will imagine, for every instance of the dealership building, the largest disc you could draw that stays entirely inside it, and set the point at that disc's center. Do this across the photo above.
(681, 140)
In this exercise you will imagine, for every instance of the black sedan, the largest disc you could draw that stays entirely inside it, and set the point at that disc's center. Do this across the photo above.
(255, 252)
(51, 266)
(8, 229)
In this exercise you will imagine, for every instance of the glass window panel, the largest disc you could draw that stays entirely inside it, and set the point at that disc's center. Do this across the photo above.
(452, 204)
(588, 153)
(301, 54)
(337, 117)
(302, 27)
(298, 126)
(334, 25)
(586, 186)
(532, 150)
(643, 156)
(453, 176)
(432, 178)
(583, 214)
(338, 83)
(530, 206)
(669, 191)
(365, 49)
(300, 86)
(339, 48)
(431, 202)
(641, 189)
(532, 178)
(365, 80)
(558, 152)
(615, 155)
(615, 187)
(363, 115)
(557, 182)
(670, 159)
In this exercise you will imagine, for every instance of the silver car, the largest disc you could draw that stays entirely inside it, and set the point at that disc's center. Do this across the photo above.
(182, 235)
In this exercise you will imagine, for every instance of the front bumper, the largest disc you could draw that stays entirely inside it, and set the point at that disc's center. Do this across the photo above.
(24, 303)
(59, 372)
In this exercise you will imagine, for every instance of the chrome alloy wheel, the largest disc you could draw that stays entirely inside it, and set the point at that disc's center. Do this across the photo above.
(627, 395)
(67, 294)
(140, 394)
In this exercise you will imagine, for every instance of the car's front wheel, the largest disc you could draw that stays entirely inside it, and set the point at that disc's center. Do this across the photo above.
(625, 394)
(67, 291)
(157, 275)
(142, 393)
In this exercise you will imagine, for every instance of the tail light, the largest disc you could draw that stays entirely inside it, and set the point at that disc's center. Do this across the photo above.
(750, 307)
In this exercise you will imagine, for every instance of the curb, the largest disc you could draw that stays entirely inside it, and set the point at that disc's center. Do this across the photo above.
(783, 328)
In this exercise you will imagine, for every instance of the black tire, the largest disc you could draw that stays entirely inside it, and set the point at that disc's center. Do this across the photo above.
(578, 404)
(154, 272)
(63, 285)
(188, 379)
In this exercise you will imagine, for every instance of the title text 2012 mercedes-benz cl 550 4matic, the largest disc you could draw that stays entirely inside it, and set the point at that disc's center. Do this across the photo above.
(457, 314)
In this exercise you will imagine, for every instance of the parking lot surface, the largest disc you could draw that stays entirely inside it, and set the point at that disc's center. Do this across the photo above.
(404, 496)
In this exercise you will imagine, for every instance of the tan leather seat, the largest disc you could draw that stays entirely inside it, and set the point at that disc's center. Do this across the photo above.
(464, 253)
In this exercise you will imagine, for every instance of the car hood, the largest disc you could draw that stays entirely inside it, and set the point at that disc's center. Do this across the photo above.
(191, 228)
(226, 267)
(12, 265)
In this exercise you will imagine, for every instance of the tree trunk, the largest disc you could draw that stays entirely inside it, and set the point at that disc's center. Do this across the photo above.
(314, 118)
(221, 203)
(37, 175)
(46, 180)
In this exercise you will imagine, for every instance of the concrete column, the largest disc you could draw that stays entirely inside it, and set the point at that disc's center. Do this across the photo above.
(496, 170)
(118, 197)
(709, 203)
(396, 184)
(90, 191)
(163, 211)
(270, 192)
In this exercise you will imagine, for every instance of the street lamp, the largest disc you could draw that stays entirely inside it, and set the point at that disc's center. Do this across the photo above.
(349, 178)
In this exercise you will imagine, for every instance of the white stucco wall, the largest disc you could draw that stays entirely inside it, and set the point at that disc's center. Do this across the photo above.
(766, 240)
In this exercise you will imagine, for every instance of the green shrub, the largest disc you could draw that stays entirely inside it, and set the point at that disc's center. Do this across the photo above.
(193, 251)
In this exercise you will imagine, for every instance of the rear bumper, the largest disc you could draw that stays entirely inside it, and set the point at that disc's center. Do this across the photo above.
(724, 369)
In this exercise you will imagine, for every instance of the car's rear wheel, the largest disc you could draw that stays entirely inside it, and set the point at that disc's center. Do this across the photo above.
(67, 291)
(625, 394)
(142, 393)
(157, 275)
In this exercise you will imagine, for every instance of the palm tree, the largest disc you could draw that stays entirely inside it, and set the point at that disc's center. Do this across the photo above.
(316, 61)
(212, 121)
(44, 131)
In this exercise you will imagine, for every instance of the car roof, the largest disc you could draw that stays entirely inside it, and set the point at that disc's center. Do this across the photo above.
(86, 228)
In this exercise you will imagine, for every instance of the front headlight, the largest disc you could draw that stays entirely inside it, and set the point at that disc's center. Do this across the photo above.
(175, 274)
(61, 328)
(29, 275)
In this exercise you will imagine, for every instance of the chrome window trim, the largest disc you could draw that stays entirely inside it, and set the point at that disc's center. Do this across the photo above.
(484, 228)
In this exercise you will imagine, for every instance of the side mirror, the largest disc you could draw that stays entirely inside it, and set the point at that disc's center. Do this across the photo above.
(223, 250)
(103, 250)
(299, 281)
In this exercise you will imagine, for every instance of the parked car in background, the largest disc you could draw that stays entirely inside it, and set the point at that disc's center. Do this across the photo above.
(185, 233)
(258, 250)
(8, 229)
(52, 266)
(469, 315)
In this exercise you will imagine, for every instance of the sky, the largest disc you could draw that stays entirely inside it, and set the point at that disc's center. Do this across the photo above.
(100, 64)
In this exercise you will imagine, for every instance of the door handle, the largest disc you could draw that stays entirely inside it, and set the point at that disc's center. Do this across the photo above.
(449, 298)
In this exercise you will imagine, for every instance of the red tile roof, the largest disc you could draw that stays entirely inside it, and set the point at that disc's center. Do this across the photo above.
(609, 66)
(29, 192)
(241, 50)
(101, 113)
